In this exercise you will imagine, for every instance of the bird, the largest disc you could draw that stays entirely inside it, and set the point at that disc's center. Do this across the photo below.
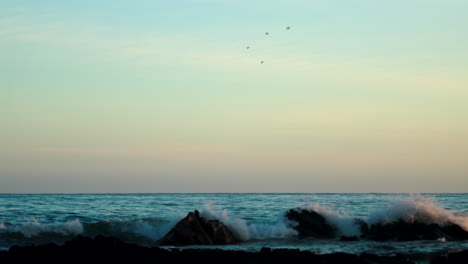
(247, 47)
(288, 28)
(266, 33)
(261, 62)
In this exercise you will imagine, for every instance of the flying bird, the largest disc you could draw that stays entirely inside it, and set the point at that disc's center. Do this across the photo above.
(247, 47)
(261, 62)
(266, 33)
(288, 28)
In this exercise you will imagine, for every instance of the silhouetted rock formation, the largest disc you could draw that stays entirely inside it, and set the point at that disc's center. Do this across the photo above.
(112, 250)
(363, 226)
(458, 257)
(309, 223)
(196, 230)
(404, 231)
(349, 238)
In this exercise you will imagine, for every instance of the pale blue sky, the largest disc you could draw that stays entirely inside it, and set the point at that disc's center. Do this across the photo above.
(163, 96)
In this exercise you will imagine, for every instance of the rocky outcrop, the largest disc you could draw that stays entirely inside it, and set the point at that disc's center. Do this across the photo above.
(197, 230)
(404, 231)
(111, 250)
(309, 223)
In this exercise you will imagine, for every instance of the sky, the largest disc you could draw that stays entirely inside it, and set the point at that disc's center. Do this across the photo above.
(164, 96)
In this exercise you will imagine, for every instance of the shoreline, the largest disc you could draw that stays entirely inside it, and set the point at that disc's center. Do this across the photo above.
(108, 249)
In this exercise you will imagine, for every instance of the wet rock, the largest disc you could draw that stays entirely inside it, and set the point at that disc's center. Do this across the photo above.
(111, 250)
(404, 231)
(371, 258)
(309, 223)
(454, 232)
(349, 238)
(340, 257)
(363, 226)
(196, 230)
(458, 257)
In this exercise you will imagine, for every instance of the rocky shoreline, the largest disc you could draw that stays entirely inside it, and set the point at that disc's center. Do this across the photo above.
(195, 229)
(111, 250)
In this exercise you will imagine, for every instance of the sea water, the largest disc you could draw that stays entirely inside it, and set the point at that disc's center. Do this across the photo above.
(256, 218)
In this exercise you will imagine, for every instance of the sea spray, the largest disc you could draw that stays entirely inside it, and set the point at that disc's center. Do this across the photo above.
(251, 231)
(344, 223)
(34, 228)
(237, 225)
(144, 218)
(139, 231)
(153, 229)
(416, 208)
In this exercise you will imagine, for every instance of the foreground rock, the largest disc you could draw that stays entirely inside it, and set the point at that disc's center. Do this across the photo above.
(404, 231)
(309, 223)
(111, 250)
(196, 230)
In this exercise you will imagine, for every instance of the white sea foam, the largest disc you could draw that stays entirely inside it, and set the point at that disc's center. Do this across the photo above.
(148, 229)
(34, 228)
(244, 231)
(416, 208)
(343, 222)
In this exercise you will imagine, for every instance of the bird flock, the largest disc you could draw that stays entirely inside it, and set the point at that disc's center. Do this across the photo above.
(266, 34)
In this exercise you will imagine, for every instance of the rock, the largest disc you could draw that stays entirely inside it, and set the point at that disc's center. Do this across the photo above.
(404, 231)
(309, 223)
(363, 226)
(111, 250)
(196, 230)
(454, 232)
(340, 257)
(371, 258)
(458, 257)
(349, 238)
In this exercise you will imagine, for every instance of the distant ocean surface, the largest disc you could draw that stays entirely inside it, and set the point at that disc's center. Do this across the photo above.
(258, 219)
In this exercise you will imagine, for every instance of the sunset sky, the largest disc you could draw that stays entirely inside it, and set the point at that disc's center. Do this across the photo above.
(164, 96)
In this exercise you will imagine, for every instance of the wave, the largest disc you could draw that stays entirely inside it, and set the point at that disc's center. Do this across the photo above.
(250, 231)
(344, 223)
(416, 208)
(139, 231)
(34, 228)
(147, 231)
(412, 209)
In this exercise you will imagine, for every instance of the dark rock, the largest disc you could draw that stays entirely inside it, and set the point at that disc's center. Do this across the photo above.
(458, 257)
(454, 232)
(110, 250)
(340, 257)
(404, 231)
(363, 226)
(371, 258)
(196, 230)
(438, 259)
(309, 223)
(349, 238)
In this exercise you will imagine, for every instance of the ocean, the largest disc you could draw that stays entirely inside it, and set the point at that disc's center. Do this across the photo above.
(256, 218)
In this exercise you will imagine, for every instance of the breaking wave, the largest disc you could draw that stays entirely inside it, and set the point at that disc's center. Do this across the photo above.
(140, 231)
(343, 222)
(412, 209)
(416, 208)
(278, 228)
(148, 230)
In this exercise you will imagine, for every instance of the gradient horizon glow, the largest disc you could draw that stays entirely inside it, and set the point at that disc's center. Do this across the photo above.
(163, 96)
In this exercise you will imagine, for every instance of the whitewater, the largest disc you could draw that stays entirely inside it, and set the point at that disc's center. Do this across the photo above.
(256, 218)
